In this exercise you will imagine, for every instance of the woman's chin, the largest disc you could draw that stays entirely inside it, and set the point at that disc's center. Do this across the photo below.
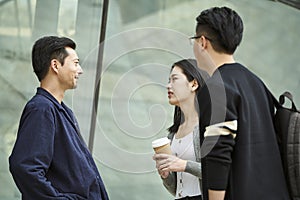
(172, 102)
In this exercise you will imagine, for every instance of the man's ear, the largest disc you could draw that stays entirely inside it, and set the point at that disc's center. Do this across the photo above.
(54, 65)
(203, 42)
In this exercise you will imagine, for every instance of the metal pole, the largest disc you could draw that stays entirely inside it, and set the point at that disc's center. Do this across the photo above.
(98, 75)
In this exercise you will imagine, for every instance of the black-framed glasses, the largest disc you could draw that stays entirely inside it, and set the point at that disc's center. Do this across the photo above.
(193, 38)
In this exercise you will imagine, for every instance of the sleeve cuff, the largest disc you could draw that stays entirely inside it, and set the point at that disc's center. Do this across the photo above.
(193, 168)
(217, 175)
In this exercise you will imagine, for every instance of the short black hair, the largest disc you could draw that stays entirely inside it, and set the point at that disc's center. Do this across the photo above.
(47, 48)
(222, 26)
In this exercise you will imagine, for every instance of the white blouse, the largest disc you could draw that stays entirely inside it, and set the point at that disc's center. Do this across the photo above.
(187, 184)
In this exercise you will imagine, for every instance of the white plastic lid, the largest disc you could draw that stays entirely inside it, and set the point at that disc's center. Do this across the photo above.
(160, 142)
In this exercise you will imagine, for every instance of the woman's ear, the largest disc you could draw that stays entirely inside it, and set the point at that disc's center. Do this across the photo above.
(195, 85)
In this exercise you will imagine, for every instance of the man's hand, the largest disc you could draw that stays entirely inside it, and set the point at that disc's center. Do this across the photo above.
(216, 195)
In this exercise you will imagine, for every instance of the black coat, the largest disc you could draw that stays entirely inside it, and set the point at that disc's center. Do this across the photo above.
(248, 166)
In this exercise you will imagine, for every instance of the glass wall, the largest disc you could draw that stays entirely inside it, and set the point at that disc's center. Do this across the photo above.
(143, 39)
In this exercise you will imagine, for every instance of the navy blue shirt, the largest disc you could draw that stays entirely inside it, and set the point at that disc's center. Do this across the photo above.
(50, 160)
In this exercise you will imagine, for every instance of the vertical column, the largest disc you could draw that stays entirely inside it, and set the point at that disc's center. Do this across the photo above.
(87, 33)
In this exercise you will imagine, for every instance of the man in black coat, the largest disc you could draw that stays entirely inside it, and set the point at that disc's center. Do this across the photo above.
(240, 155)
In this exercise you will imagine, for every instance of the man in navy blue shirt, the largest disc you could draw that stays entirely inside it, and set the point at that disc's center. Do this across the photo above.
(49, 159)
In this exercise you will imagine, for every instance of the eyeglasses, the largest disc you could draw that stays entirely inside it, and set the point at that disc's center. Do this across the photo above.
(192, 39)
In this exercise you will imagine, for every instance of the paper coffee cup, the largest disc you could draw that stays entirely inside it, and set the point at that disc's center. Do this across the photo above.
(162, 145)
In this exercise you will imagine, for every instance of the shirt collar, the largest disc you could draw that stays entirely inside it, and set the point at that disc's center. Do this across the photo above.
(48, 95)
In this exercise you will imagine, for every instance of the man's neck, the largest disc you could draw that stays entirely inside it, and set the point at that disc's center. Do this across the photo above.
(54, 91)
(219, 60)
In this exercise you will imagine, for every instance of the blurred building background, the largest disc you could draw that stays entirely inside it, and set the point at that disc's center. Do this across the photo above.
(143, 39)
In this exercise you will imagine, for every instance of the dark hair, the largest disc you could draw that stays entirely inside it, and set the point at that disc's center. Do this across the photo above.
(192, 72)
(222, 26)
(47, 48)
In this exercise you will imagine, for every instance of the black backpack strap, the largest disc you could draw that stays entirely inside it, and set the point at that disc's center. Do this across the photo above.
(280, 103)
(290, 97)
(275, 101)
